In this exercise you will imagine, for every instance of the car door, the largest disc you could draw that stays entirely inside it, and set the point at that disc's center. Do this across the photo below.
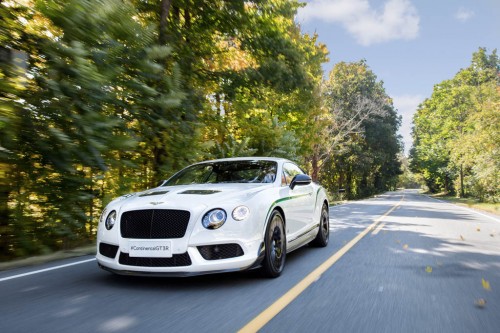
(297, 204)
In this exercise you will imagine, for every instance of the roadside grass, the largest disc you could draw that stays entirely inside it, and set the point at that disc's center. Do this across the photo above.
(489, 207)
(30, 261)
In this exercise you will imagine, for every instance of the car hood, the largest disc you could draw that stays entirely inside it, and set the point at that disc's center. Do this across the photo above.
(189, 196)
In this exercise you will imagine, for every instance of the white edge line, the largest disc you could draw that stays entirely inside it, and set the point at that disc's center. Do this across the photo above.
(45, 270)
(466, 208)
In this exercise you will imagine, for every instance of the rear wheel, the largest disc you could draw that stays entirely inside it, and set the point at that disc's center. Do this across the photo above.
(323, 235)
(275, 241)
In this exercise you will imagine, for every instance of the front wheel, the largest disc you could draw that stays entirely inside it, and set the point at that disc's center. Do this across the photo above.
(323, 235)
(275, 242)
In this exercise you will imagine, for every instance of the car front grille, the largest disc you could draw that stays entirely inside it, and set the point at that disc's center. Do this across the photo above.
(177, 260)
(220, 251)
(154, 223)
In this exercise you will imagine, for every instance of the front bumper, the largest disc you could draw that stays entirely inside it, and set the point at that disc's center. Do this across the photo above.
(253, 252)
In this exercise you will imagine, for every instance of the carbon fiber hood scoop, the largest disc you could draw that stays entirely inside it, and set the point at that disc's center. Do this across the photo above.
(147, 194)
(200, 192)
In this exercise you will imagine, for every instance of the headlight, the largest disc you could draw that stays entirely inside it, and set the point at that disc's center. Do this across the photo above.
(214, 219)
(110, 220)
(240, 213)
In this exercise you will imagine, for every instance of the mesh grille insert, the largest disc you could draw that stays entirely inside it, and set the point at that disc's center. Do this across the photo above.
(108, 250)
(154, 223)
(220, 251)
(176, 260)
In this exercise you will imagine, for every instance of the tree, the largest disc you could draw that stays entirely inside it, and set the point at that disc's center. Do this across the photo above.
(451, 149)
(478, 150)
(94, 84)
(119, 94)
(15, 42)
(362, 145)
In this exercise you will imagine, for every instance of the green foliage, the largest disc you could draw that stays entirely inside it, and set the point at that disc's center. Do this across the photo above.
(13, 40)
(456, 133)
(116, 95)
(408, 179)
(100, 88)
(362, 157)
(232, 148)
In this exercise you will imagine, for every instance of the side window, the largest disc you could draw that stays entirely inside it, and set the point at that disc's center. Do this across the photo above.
(290, 171)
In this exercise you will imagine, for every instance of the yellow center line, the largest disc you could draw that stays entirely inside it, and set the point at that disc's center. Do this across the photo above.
(265, 316)
(378, 228)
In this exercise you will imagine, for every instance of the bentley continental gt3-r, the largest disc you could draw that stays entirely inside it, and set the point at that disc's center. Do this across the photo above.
(215, 216)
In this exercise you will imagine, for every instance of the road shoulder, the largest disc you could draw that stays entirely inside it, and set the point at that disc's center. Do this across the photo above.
(36, 260)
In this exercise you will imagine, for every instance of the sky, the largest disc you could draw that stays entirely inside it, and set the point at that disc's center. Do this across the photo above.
(410, 45)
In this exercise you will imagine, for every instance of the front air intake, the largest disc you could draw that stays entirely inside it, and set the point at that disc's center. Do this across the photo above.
(177, 260)
(220, 251)
(108, 250)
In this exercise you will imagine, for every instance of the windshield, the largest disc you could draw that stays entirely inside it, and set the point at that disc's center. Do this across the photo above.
(226, 172)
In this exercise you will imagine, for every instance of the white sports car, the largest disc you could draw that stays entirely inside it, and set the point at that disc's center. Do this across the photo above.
(216, 216)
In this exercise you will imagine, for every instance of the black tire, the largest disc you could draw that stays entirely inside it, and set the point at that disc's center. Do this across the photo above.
(323, 235)
(275, 242)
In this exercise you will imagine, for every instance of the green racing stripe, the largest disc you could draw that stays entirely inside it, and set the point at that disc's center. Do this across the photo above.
(286, 199)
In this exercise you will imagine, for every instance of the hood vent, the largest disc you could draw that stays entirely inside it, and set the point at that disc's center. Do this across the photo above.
(202, 192)
(147, 194)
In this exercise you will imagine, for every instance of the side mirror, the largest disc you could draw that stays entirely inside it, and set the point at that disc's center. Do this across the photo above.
(300, 180)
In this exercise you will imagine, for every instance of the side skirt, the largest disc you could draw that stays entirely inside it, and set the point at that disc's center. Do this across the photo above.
(302, 239)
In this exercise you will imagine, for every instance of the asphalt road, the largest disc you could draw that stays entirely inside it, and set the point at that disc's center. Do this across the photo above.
(427, 266)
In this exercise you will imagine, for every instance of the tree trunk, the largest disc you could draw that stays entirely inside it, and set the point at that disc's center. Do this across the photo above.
(348, 185)
(462, 191)
(164, 12)
(315, 167)
(187, 23)
(218, 104)
(158, 160)
(341, 179)
(91, 221)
